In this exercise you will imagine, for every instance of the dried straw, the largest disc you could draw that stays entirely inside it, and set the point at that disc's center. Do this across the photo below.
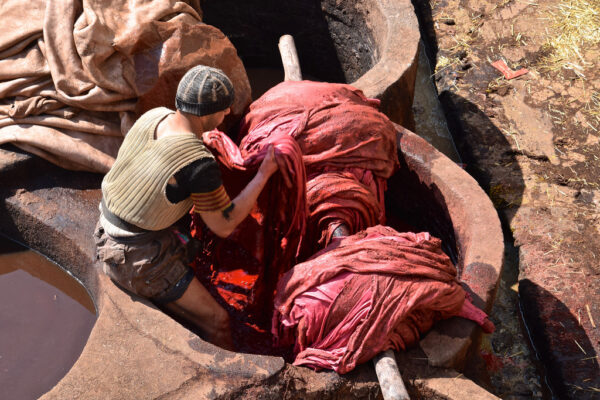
(587, 307)
(576, 23)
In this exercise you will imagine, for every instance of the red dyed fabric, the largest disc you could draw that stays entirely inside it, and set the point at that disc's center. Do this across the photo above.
(334, 124)
(366, 293)
(335, 151)
(289, 159)
(362, 294)
(269, 238)
(348, 147)
(340, 197)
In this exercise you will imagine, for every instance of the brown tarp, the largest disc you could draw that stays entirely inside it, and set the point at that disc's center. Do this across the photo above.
(75, 74)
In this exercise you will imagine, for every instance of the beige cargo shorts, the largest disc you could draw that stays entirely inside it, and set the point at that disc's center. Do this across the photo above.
(152, 265)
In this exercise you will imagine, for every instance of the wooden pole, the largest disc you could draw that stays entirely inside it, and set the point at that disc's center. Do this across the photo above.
(289, 58)
(388, 375)
(390, 381)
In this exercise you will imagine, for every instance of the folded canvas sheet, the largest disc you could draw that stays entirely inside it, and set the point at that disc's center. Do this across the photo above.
(75, 74)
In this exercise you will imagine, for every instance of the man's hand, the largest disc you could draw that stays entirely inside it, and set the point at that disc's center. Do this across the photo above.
(269, 164)
(223, 226)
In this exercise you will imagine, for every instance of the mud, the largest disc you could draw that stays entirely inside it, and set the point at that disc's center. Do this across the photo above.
(46, 317)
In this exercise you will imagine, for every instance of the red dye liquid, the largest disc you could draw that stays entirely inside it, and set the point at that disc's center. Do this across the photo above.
(233, 277)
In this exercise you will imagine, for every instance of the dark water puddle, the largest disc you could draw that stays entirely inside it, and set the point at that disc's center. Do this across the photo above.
(45, 320)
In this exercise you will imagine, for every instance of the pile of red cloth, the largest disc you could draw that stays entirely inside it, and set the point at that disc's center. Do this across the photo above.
(366, 293)
(357, 296)
(335, 151)
(348, 147)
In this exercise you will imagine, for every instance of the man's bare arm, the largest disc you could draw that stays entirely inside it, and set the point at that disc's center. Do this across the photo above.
(222, 224)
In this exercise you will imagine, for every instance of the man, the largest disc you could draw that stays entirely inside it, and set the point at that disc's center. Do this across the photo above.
(161, 170)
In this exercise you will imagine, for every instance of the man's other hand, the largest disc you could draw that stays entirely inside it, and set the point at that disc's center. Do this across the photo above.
(223, 225)
(269, 164)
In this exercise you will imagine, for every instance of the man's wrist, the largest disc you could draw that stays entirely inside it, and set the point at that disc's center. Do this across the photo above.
(262, 175)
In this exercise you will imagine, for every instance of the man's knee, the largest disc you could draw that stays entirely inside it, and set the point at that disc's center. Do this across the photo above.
(222, 319)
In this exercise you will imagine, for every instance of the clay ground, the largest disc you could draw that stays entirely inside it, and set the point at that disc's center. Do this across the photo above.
(533, 145)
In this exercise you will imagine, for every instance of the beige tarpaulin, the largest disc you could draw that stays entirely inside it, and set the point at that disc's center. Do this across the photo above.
(75, 74)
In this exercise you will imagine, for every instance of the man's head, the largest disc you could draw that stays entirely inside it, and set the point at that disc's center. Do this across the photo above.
(204, 91)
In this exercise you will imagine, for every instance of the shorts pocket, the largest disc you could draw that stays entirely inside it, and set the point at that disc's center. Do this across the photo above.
(147, 253)
(112, 254)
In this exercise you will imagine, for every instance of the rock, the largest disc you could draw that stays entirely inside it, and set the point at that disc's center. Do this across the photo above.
(444, 350)
(534, 127)
(182, 49)
(589, 196)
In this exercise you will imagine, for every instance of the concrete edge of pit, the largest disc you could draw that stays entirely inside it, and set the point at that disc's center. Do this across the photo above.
(392, 78)
(434, 383)
(134, 350)
(480, 245)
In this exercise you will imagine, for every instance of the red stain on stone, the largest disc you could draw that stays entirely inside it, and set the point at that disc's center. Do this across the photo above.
(508, 73)
(218, 266)
(493, 363)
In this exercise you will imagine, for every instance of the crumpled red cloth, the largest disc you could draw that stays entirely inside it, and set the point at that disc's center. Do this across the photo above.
(363, 294)
(348, 146)
(366, 293)
(334, 124)
(241, 271)
(346, 151)
(292, 179)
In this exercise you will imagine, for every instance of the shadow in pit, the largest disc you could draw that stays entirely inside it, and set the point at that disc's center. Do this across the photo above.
(490, 159)
(329, 48)
(570, 360)
(427, 29)
(488, 155)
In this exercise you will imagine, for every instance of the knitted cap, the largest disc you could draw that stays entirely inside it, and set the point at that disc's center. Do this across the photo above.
(204, 90)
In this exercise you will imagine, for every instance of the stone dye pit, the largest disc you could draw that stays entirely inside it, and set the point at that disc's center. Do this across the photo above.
(46, 319)
(136, 351)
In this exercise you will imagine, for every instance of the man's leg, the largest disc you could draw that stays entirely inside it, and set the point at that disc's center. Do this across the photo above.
(137, 267)
(198, 307)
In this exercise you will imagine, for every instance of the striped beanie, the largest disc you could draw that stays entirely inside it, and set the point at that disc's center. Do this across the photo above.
(204, 90)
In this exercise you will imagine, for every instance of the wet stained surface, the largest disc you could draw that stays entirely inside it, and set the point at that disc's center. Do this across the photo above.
(45, 320)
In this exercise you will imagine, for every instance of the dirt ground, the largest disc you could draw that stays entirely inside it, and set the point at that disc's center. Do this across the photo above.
(533, 143)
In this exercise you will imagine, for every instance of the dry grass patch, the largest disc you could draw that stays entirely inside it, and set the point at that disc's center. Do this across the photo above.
(593, 108)
(574, 24)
